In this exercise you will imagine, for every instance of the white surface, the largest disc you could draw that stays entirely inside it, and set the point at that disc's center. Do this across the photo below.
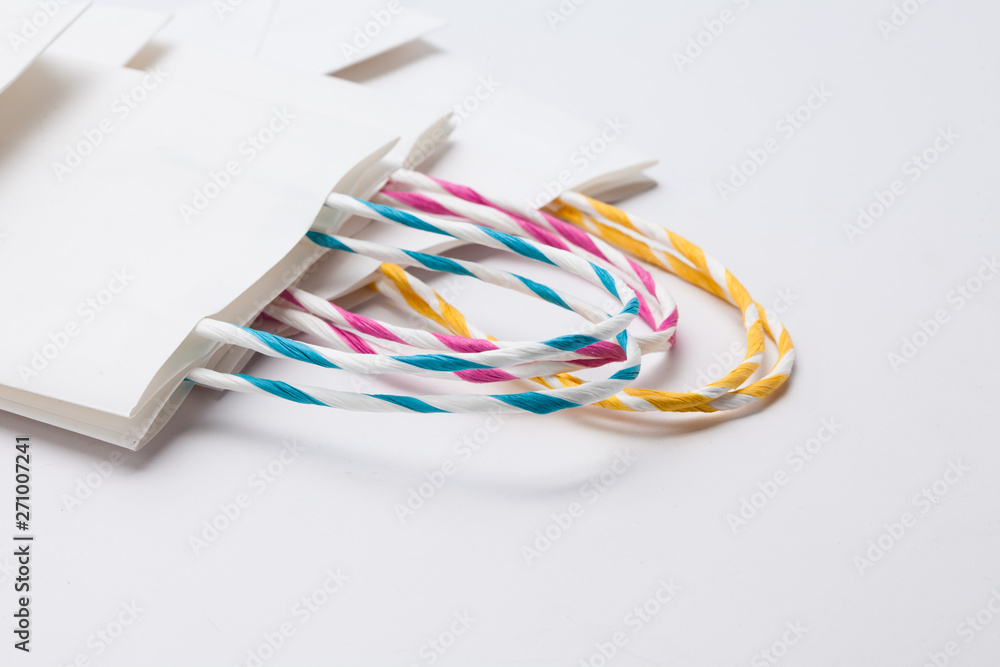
(665, 517)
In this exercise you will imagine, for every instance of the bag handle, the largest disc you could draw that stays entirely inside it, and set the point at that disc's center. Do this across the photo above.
(544, 401)
(647, 242)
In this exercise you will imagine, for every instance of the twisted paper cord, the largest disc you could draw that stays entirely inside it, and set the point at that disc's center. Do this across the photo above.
(622, 401)
(661, 247)
(536, 402)
(640, 239)
(423, 364)
(672, 253)
(394, 282)
(351, 332)
(530, 218)
(349, 343)
(652, 303)
(657, 307)
(656, 341)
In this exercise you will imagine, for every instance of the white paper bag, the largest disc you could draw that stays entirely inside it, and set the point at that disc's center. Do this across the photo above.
(134, 206)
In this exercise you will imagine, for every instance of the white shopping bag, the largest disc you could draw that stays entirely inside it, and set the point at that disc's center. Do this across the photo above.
(135, 205)
(129, 405)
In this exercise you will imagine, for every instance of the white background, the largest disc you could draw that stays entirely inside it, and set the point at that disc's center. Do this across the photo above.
(665, 518)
